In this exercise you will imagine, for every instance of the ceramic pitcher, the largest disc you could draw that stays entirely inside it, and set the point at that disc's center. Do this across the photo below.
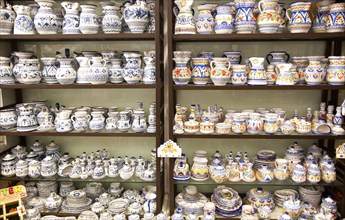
(269, 18)
(97, 122)
(133, 72)
(320, 19)
(220, 71)
(224, 20)
(66, 74)
(23, 23)
(98, 72)
(83, 70)
(314, 72)
(49, 70)
(27, 120)
(18, 66)
(201, 71)
(7, 17)
(29, 71)
(137, 16)
(111, 23)
(71, 18)
(46, 22)
(116, 71)
(257, 74)
(336, 70)
(6, 74)
(185, 23)
(181, 74)
(149, 76)
(299, 20)
(284, 74)
(205, 21)
(88, 23)
(276, 57)
(336, 18)
(245, 21)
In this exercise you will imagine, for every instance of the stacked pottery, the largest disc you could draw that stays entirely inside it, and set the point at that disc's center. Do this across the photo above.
(336, 18)
(133, 73)
(185, 23)
(46, 22)
(205, 21)
(88, 23)
(136, 16)
(182, 74)
(6, 74)
(245, 21)
(23, 23)
(269, 19)
(49, 70)
(299, 21)
(224, 22)
(227, 206)
(76, 202)
(71, 18)
(190, 201)
(7, 19)
(311, 194)
(336, 70)
(280, 196)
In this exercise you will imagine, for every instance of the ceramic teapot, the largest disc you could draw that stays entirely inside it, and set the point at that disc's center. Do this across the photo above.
(53, 202)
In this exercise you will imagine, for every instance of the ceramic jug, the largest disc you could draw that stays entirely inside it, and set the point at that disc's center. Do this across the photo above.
(150, 205)
(336, 70)
(8, 119)
(29, 71)
(49, 70)
(314, 72)
(71, 18)
(269, 18)
(184, 23)
(276, 57)
(7, 17)
(6, 74)
(116, 71)
(257, 74)
(123, 123)
(45, 120)
(98, 72)
(320, 19)
(224, 22)
(80, 120)
(336, 18)
(133, 72)
(18, 66)
(27, 120)
(63, 122)
(111, 22)
(220, 71)
(301, 63)
(88, 23)
(23, 23)
(281, 171)
(66, 75)
(245, 21)
(111, 121)
(284, 74)
(181, 74)
(139, 122)
(149, 76)
(201, 71)
(299, 20)
(205, 21)
(264, 174)
(97, 122)
(46, 22)
(83, 70)
(239, 75)
(136, 16)
(255, 124)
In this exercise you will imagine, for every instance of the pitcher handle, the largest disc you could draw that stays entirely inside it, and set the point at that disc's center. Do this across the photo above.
(259, 5)
(212, 64)
(287, 57)
(240, 61)
(175, 11)
(229, 65)
(268, 56)
(311, 11)
(287, 14)
(89, 62)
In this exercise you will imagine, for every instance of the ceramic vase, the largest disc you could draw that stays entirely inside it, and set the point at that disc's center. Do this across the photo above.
(181, 74)
(116, 71)
(133, 73)
(205, 21)
(23, 23)
(201, 71)
(336, 18)
(149, 76)
(276, 57)
(30, 71)
(98, 72)
(185, 23)
(6, 74)
(150, 206)
(319, 23)
(88, 23)
(255, 123)
(224, 22)
(26, 120)
(46, 22)
(284, 74)
(137, 16)
(66, 74)
(83, 70)
(111, 23)
(299, 20)
(314, 72)
(7, 17)
(271, 125)
(220, 71)
(269, 19)
(336, 71)
(245, 21)
(49, 70)
(257, 74)
(239, 74)
(71, 18)
(301, 63)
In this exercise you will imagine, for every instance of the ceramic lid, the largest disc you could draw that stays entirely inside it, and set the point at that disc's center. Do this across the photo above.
(8, 157)
(18, 149)
(52, 146)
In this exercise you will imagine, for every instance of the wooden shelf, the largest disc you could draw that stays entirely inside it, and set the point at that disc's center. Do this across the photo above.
(257, 37)
(79, 86)
(78, 134)
(260, 136)
(254, 87)
(79, 37)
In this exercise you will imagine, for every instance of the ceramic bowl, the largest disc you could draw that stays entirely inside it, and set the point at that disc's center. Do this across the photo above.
(191, 126)
(206, 127)
(303, 127)
(223, 128)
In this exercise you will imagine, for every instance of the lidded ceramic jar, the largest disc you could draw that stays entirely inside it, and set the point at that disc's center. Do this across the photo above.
(8, 165)
(258, 197)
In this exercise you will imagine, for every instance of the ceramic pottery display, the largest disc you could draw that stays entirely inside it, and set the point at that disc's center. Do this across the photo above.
(299, 20)
(185, 23)
(46, 22)
(205, 21)
(71, 18)
(23, 24)
(136, 16)
(336, 18)
(111, 22)
(88, 23)
(7, 17)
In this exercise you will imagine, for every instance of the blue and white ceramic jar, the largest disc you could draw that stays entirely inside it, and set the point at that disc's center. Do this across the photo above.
(46, 22)
(205, 21)
(149, 76)
(71, 18)
(88, 23)
(98, 72)
(115, 71)
(239, 75)
(83, 70)
(49, 70)
(137, 16)
(7, 17)
(224, 20)
(111, 23)
(133, 73)
(23, 23)
(66, 74)
(6, 74)
(8, 119)
(97, 122)
(30, 72)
